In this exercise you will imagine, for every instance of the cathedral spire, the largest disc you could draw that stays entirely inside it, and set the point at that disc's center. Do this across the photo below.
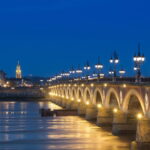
(18, 71)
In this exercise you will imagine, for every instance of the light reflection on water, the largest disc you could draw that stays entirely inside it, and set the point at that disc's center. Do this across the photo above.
(28, 131)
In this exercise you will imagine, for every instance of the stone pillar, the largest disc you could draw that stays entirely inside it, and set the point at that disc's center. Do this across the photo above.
(68, 105)
(81, 109)
(143, 134)
(55, 100)
(104, 117)
(74, 105)
(91, 112)
(58, 101)
(121, 125)
(62, 102)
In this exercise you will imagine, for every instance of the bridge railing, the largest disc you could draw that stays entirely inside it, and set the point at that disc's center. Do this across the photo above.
(130, 80)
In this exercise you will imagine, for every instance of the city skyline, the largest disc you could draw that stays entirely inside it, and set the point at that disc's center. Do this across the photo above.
(48, 37)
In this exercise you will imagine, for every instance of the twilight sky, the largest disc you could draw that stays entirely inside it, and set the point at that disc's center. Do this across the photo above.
(49, 36)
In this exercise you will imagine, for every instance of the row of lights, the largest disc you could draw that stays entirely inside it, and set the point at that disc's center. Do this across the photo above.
(115, 110)
(114, 60)
(82, 85)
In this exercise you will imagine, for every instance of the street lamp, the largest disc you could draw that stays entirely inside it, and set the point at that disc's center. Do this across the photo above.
(87, 69)
(79, 71)
(111, 72)
(98, 67)
(94, 74)
(138, 61)
(72, 72)
(114, 60)
(122, 72)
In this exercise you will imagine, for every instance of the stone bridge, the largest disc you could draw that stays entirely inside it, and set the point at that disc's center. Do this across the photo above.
(125, 107)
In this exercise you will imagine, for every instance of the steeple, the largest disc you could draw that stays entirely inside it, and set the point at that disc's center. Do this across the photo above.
(18, 71)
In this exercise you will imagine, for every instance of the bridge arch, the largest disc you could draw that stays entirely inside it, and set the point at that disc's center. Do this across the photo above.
(112, 98)
(80, 94)
(73, 93)
(64, 92)
(87, 95)
(98, 96)
(133, 102)
(68, 92)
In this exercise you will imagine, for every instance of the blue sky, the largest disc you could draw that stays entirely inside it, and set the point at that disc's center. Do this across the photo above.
(49, 36)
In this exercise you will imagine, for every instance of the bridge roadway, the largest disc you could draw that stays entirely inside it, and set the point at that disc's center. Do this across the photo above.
(124, 106)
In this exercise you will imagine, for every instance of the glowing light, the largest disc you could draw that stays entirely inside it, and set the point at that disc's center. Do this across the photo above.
(72, 99)
(75, 85)
(124, 85)
(79, 100)
(99, 105)
(139, 116)
(115, 110)
(105, 85)
(92, 84)
(82, 85)
(87, 103)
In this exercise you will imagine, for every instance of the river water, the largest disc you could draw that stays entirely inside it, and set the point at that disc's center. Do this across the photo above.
(22, 128)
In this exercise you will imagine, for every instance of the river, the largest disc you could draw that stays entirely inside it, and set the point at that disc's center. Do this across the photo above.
(22, 128)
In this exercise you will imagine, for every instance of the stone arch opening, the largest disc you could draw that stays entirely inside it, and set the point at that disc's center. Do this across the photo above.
(80, 95)
(73, 94)
(133, 103)
(98, 98)
(64, 93)
(112, 99)
(87, 97)
(68, 93)
(113, 103)
(134, 106)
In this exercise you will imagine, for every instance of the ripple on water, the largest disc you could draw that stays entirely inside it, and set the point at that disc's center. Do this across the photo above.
(31, 132)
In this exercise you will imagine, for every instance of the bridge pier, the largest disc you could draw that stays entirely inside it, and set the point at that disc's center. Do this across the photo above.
(91, 112)
(74, 105)
(63, 103)
(143, 134)
(121, 125)
(56, 101)
(68, 105)
(81, 109)
(104, 117)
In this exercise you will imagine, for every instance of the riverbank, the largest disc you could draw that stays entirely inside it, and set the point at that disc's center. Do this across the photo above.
(23, 99)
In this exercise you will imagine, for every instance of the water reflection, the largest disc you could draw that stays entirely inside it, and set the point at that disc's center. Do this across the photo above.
(25, 129)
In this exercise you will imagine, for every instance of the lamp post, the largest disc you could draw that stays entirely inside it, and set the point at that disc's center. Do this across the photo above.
(72, 72)
(87, 69)
(111, 72)
(79, 72)
(122, 72)
(98, 67)
(114, 60)
(138, 61)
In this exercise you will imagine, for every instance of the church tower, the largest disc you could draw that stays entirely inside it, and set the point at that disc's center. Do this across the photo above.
(18, 71)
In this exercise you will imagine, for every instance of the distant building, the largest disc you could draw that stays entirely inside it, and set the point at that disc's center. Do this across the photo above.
(2, 77)
(18, 71)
